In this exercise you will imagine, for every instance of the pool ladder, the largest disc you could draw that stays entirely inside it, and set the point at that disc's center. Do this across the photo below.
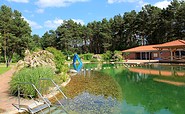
(40, 105)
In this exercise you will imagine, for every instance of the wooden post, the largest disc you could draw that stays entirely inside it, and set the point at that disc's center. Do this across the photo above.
(180, 56)
(141, 56)
(171, 54)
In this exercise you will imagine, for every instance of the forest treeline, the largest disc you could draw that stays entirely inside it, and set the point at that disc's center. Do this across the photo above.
(150, 25)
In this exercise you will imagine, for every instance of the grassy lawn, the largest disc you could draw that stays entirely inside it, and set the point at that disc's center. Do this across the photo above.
(3, 68)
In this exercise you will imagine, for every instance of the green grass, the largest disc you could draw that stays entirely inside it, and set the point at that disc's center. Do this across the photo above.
(4, 69)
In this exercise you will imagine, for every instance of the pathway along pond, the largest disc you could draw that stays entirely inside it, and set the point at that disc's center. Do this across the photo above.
(114, 89)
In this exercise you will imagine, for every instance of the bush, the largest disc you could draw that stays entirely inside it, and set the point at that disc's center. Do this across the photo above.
(117, 56)
(59, 58)
(69, 55)
(31, 75)
(16, 58)
(94, 60)
(62, 77)
(87, 56)
(107, 56)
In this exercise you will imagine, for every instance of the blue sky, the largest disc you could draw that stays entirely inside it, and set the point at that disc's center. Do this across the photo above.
(44, 15)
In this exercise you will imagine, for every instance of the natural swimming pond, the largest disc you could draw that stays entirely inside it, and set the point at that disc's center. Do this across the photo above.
(114, 89)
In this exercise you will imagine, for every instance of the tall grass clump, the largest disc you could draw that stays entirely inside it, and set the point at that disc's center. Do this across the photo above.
(31, 75)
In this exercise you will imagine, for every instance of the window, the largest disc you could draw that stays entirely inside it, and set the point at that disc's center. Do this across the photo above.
(155, 55)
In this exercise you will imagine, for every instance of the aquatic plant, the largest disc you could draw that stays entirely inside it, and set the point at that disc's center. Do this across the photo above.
(99, 84)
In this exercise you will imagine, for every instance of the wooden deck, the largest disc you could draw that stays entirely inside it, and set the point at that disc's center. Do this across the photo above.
(173, 61)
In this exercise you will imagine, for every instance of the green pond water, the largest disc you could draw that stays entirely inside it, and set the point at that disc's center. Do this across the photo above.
(114, 89)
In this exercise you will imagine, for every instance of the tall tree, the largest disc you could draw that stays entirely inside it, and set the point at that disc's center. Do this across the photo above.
(117, 28)
(130, 29)
(86, 35)
(15, 33)
(36, 41)
(147, 21)
(106, 33)
(49, 39)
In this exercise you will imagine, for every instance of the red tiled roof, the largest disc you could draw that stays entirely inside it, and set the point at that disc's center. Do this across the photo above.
(150, 48)
(176, 43)
(147, 48)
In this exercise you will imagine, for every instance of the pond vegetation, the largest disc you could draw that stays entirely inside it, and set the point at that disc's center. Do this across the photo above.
(134, 92)
(98, 84)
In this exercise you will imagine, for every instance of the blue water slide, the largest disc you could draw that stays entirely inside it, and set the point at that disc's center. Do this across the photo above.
(79, 67)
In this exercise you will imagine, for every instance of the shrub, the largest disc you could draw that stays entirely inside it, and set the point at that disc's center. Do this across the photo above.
(107, 56)
(62, 77)
(31, 75)
(87, 56)
(16, 58)
(69, 55)
(94, 60)
(59, 58)
(117, 56)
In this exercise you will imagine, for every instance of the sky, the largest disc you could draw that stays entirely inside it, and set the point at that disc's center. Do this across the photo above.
(45, 15)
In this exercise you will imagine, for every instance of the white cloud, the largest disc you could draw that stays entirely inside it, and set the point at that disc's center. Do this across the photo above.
(27, 11)
(33, 24)
(20, 1)
(142, 3)
(162, 4)
(57, 3)
(40, 10)
(139, 2)
(53, 24)
(79, 21)
(119, 1)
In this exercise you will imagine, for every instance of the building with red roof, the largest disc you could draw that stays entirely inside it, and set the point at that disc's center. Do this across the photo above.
(174, 50)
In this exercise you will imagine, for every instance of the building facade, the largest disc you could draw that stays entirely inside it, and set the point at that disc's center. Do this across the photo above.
(174, 50)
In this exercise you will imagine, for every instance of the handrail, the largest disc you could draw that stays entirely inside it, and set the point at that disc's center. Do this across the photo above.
(36, 90)
(55, 86)
(48, 79)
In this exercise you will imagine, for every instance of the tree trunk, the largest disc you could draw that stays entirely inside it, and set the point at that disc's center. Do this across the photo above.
(9, 61)
(5, 57)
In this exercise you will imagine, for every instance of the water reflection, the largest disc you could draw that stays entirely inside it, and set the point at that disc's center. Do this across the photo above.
(160, 69)
(134, 92)
(154, 97)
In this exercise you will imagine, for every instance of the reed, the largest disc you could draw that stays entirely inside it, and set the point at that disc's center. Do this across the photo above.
(31, 75)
